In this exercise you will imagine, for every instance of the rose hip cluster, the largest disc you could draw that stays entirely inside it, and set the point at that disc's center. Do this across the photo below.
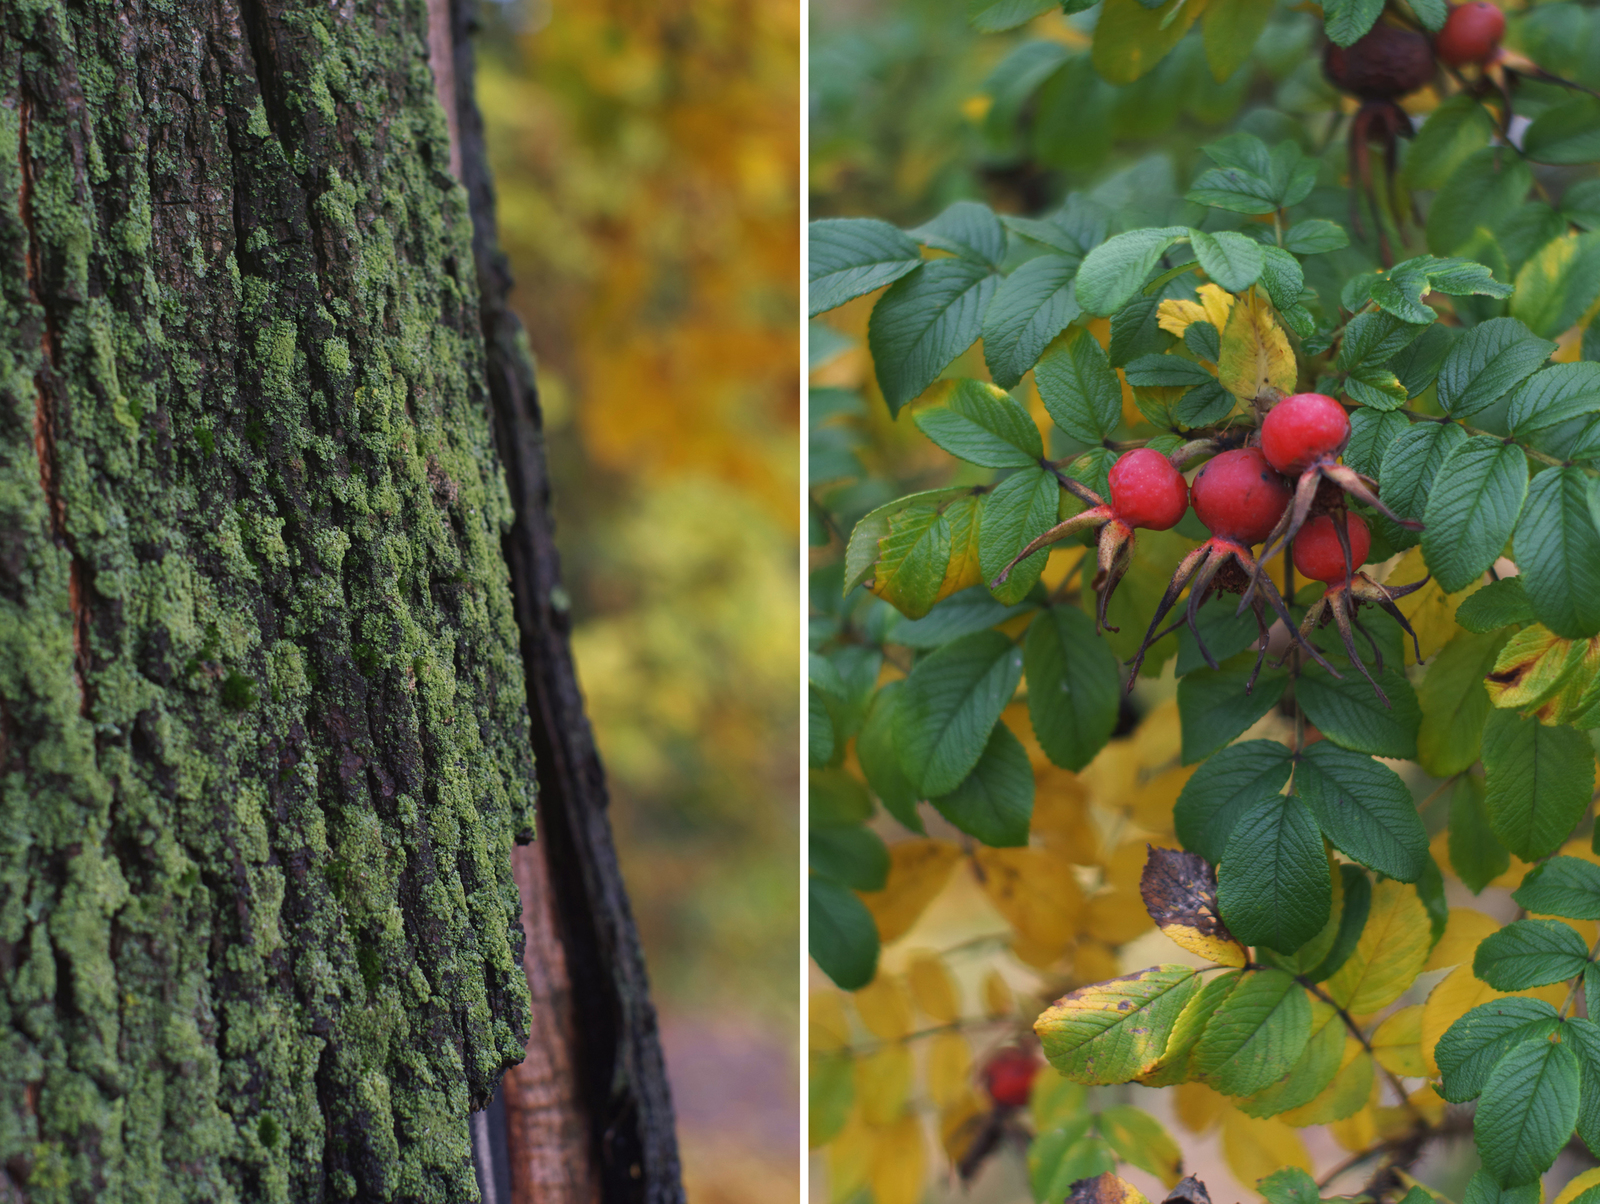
(1244, 497)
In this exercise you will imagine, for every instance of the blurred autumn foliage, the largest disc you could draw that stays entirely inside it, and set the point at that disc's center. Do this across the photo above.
(646, 156)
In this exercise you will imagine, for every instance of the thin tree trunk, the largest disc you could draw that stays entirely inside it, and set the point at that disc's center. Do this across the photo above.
(596, 989)
(264, 740)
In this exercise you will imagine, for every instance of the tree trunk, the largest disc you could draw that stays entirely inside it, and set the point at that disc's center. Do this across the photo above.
(264, 734)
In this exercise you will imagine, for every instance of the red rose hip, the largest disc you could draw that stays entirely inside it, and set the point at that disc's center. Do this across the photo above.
(1238, 496)
(1008, 1077)
(1147, 491)
(1303, 429)
(1317, 553)
(1471, 34)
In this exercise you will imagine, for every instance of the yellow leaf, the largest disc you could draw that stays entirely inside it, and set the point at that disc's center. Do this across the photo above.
(899, 1162)
(963, 569)
(1116, 917)
(1456, 994)
(1390, 954)
(1577, 1186)
(1544, 676)
(933, 988)
(1180, 893)
(1351, 1088)
(1255, 1148)
(884, 1005)
(1035, 891)
(1113, 775)
(1255, 351)
(1158, 740)
(849, 1159)
(883, 1083)
(1431, 611)
(1129, 38)
(829, 1026)
(1151, 804)
(960, 1123)
(1397, 1044)
(1355, 1132)
(1175, 316)
(918, 870)
(1093, 961)
(1114, 1031)
(949, 1068)
(1463, 930)
(1199, 1106)
(1124, 869)
(997, 998)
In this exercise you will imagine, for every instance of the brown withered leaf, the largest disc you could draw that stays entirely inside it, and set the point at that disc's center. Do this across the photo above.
(1105, 1189)
(1544, 676)
(1189, 1191)
(1180, 893)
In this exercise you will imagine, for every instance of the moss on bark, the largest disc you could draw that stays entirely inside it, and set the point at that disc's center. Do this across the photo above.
(263, 736)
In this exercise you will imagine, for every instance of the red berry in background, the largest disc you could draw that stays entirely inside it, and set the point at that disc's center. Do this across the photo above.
(1008, 1077)
(1317, 553)
(1471, 34)
(1237, 495)
(1386, 63)
(1302, 429)
(1147, 491)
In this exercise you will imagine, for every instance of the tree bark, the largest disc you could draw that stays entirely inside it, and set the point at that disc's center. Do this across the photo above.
(264, 731)
(595, 1013)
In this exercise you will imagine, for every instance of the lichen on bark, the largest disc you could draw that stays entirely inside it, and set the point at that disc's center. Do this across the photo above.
(263, 732)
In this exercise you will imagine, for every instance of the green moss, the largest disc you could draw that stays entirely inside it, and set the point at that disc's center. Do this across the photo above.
(303, 655)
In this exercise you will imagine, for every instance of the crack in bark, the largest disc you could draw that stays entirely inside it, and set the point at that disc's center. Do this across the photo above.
(44, 414)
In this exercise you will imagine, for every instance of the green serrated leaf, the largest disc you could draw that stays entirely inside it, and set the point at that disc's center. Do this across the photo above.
(881, 765)
(1452, 132)
(1473, 509)
(1256, 1035)
(1562, 886)
(1223, 788)
(1030, 308)
(1498, 604)
(1476, 854)
(1530, 953)
(1078, 387)
(1074, 687)
(969, 229)
(1347, 21)
(1472, 1045)
(1527, 1111)
(1484, 189)
(994, 803)
(996, 16)
(952, 699)
(1488, 362)
(1371, 434)
(983, 425)
(1357, 895)
(1273, 885)
(1349, 712)
(1454, 703)
(1115, 270)
(1315, 236)
(1364, 809)
(924, 321)
(857, 856)
(1558, 550)
(844, 938)
(1538, 782)
(1565, 133)
(1231, 260)
(1022, 507)
(853, 256)
(1215, 709)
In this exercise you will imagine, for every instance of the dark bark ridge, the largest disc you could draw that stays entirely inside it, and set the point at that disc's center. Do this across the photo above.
(623, 1078)
(263, 730)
